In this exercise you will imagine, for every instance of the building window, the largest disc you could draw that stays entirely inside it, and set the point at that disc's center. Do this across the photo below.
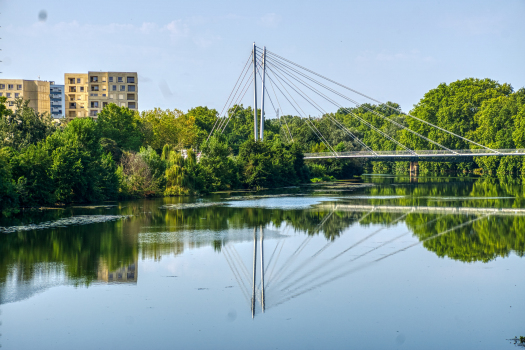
(111, 96)
(103, 79)
(79, 97)
(132, 105)
(10, 86)
(131, 97)
(104, 104)
(110, 79)
(78, 81)
(8, 95)
(81, 89)
(94, 104)
(19, 87)
(11, 103)
(121, 96)
(120, 80)
(94, 79)
(1, 94)
(72, 105)
(131, 80)
(114, 88)
(72, 80)
(72, 89)
(93, 113)
(103, 95)
(71, 97)
(17, 95)
(123, 104)
(94, 87)
(2, 86)
(122, 87)
(131, 87)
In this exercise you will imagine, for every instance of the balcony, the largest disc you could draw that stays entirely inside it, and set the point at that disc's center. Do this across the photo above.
(131, 97)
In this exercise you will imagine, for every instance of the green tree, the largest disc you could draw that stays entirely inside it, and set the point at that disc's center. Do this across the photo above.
(24, 126)
(121, 125)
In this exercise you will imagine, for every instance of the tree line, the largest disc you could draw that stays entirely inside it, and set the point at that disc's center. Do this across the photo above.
(126, 154)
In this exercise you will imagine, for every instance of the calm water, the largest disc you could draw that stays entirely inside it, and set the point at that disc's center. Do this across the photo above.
(427, 263)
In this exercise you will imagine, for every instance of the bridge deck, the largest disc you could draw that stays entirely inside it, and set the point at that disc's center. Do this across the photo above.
(418, 154)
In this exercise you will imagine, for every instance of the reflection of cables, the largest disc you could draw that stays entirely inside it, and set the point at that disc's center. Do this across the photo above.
(374, 261)
(235, 274)
(324, 264)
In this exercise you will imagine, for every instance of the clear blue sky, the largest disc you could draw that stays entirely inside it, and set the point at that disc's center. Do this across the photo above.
(189, 53)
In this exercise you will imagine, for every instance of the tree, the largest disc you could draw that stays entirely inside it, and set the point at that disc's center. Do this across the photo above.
(169, 127)
(121, 125)
(8, 194)
(204, 118)
(216, 166)
(24, 126)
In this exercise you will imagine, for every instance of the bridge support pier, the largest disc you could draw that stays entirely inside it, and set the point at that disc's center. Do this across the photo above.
(414, 168)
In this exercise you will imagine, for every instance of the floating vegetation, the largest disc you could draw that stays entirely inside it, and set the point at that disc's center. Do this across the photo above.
(71, 221)
(246, 198)
(94, 206)
(519, 341)
(191, 205)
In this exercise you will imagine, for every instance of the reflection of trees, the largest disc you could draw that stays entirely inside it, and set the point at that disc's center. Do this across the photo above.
(80, 251)
(484, 240)
(77, 251)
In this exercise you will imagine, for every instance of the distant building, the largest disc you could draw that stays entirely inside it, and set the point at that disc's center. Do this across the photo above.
(56, 96)
(36, 91)
(87, 94)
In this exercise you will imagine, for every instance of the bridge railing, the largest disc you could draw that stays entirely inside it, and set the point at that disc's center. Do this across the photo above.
(424, 153)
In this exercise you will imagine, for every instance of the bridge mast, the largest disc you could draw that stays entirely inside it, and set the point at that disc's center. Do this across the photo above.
(262, 93)
(255, 91)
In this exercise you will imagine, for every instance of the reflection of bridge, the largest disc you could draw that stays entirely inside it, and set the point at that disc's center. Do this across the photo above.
(425, 209)
(302, 272)
(306, 93)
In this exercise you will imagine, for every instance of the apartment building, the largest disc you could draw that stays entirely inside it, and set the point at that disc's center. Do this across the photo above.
(87, 94)
(36, 91)
(56, 97)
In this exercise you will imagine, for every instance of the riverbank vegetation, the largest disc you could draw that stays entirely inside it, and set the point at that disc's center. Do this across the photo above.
(125, 154)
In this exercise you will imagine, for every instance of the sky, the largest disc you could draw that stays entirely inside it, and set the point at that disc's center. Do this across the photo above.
(190, 53)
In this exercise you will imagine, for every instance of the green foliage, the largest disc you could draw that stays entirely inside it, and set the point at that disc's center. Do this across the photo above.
(270, 163)
(24, 126)
(121, 125)
(8, 193)
(216, 166)
(169, 127)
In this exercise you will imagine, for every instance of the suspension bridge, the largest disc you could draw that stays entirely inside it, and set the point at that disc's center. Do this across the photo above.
(303, 92)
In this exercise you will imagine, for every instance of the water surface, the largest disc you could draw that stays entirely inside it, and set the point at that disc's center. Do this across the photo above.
(405, 263)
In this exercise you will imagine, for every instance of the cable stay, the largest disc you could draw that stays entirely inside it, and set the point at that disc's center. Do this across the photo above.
(220, 114)
(320, 109)
(363, 121)
(311, 125)
(380, 103)
(353, 101)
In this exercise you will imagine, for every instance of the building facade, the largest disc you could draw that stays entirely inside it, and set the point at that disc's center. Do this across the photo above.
(56, 98)
(36, 91)
(87, 94)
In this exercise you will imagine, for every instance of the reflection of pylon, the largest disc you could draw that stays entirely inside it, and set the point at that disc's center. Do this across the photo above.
(254, 266)
(255, 269)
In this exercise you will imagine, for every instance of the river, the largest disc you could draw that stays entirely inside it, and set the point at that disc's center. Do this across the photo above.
(377, 262)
